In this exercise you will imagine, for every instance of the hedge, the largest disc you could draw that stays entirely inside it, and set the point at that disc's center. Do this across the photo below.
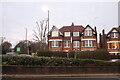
(54, 61)
(99, 54)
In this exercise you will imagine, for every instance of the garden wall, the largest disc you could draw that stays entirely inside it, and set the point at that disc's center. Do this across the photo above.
(59, 70)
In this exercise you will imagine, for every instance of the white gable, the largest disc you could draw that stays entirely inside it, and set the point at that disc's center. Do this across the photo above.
(114, 30)
(88, 28)
(55, 31)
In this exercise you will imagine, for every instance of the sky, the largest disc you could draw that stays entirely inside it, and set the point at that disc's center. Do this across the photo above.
(18, 15)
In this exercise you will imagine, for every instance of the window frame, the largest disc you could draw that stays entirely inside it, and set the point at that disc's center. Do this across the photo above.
(88, 32)
(66, 35)
(88, 43)
(75, 33)
(66, 44)
(55, 35)
(55, 43)
(113, 35)
(76, 44)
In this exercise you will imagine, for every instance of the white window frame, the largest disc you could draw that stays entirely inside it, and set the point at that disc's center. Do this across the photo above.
(115, 35)
(54, 33)
(75, 33)
(54, 43)
(88, 32)
(67, 34)
(67, 44)
(88, 43)
(76, 44)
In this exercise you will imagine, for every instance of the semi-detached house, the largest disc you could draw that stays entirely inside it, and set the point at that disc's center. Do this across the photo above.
(74, 37)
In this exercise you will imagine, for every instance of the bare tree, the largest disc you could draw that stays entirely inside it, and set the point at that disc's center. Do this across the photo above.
(41, 33)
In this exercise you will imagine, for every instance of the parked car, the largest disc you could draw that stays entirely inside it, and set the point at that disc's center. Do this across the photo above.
(11, 54)
(25, 55)
(115, 60)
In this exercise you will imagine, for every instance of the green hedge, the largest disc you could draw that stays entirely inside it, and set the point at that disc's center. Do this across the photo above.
(99, 54)
(52, 61)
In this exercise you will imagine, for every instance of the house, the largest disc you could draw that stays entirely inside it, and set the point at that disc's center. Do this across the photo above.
(113, 41)
(72, 37)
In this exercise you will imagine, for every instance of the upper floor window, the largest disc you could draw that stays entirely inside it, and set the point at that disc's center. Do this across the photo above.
(88, 43)
(88, 32)
(54, 43)
(114, 35)
(75, 33)
(66, 43)
(55, 34)
(76, 44)
(67, 34)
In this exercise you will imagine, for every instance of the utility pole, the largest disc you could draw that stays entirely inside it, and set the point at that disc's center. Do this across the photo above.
(48, 21)
(27, 43)
(48, 29)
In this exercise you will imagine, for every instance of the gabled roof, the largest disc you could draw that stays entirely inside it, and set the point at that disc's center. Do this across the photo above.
(72, 28)
(116, 28)
(54, 28)
(89, 27)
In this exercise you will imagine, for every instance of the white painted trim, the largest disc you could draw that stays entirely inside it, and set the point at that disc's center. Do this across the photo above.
(114, 52)
(66, 50)
(113, 41)
(87, 39)
(55, 39)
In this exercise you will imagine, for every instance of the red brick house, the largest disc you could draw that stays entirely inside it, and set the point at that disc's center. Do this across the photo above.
(113, 41)
(72, 37)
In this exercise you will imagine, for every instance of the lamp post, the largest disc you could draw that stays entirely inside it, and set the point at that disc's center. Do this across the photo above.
(27, 48)
(48, 29)
(45, 8)
(48, 21)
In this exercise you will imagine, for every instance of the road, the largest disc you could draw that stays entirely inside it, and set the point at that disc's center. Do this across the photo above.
(66, 78)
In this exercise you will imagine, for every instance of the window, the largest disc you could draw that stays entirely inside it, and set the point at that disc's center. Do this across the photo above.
(88, 43)
(88, 32)
(76, 44)
(114, 35)
(114, 45)
(54, 43)
(66, 43)
(67, 34)
(55, 34)
(75, 33)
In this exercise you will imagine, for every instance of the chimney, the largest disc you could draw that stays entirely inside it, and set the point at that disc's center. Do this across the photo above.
(103, 32)
(95, 29)
(72, 24)
(100, 41)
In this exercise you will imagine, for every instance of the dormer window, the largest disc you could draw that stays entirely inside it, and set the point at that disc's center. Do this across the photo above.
(55, 34)
(114, 35)
(88, 32)
(67, 34)
(75, 33)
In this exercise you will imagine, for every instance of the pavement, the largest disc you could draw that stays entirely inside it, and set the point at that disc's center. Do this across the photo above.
(59, 75)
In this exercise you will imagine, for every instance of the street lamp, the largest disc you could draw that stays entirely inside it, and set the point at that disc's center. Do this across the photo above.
(46, 9)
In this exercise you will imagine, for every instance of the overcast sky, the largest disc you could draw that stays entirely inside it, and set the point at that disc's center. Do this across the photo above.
(16, 16)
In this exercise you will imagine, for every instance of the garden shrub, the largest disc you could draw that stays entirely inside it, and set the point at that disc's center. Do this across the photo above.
(54, 61)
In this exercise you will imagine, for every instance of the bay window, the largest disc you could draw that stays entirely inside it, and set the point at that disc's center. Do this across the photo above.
(54, 43)
(66, 44)
(88, 43)
(76, 44)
